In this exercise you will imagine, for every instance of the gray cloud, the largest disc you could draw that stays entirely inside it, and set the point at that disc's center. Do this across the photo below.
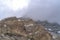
(6, 11)
(44, 10)
(37, 9)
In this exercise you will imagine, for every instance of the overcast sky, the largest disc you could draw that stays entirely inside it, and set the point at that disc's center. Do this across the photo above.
(44, 10)
(10, 8)
(36, 9)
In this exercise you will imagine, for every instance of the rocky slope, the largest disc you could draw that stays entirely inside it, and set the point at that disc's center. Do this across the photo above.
(13, 28)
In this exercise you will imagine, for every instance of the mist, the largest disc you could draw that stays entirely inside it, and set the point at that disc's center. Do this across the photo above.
(44, 10)
(37, 9)
(10, 8)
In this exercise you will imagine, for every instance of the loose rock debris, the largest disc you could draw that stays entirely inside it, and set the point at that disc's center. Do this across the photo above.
(13, 28)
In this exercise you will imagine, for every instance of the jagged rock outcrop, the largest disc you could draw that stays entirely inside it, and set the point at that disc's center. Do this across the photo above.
(27, 29)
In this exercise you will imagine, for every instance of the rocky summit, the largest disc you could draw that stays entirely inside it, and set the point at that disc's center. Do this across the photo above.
(14, 28)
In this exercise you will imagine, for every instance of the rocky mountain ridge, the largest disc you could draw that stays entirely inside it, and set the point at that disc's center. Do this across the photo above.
(13, 28)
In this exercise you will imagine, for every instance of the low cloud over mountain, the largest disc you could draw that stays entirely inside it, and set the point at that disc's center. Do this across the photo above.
(44, 10)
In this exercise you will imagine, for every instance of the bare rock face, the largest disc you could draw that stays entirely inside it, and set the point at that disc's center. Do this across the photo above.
(25, 29)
